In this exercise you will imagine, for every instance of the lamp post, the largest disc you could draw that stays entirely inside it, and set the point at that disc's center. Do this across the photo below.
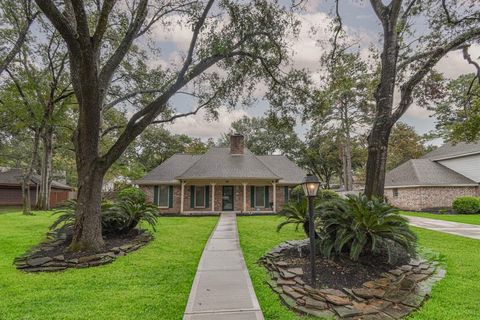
(310, 187)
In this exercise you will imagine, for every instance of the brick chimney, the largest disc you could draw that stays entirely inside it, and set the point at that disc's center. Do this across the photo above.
(237, 144)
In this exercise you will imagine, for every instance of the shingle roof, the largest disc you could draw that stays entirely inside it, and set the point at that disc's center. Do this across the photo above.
(283, 167)
(14, 177)
(169, 169)
(424, 172)
(449, 150)
(219, 163)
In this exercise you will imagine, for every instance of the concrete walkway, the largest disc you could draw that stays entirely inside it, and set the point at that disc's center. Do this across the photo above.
(222, 288)
(460, 229)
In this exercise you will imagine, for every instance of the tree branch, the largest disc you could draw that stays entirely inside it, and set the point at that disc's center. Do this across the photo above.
(102, 22)
(59, 21)
(406, 89)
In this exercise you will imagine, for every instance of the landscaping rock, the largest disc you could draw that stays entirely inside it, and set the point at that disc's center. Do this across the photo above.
(368, 293)
(34, 262)
(313, 303)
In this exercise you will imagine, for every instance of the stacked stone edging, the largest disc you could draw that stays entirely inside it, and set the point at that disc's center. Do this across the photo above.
(399, 292)
(36, 261)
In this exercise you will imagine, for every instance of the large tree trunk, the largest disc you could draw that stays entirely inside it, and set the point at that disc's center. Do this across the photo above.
(44, 198)
(377, 161)
(87, 233)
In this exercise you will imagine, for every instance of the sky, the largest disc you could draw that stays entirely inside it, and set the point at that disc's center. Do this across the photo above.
(361, 25)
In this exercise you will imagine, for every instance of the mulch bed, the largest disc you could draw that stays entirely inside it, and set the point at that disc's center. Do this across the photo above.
(53, 254)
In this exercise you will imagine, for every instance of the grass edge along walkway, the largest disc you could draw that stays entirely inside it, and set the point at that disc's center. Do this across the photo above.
(455, 297)
(151, 283)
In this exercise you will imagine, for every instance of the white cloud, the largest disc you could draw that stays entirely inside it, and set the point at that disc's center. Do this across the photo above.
(454, 65)
(199, 126)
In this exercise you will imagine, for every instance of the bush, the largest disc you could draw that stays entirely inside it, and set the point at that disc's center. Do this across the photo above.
(295, 212)
(322, 194)
(117, 217)
(466, 205)
(360, 226)
(132, 194)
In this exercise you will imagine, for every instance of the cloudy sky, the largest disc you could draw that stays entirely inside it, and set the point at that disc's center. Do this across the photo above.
(361, 24)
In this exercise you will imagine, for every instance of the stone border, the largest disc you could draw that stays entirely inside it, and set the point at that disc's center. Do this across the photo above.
(33, 262)
(399, 292)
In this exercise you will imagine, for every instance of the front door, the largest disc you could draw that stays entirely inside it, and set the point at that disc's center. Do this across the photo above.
(227, 203)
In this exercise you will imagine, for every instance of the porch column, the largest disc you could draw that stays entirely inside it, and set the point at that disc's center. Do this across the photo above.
(213, 196)
(274, 184)
(182, 194)
(244, 197)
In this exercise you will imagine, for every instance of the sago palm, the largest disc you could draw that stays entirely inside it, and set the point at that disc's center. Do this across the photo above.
(296, 212)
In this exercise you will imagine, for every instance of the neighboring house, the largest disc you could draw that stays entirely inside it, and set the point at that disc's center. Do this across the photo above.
(436, 179)
(11, 189)
(223, 179)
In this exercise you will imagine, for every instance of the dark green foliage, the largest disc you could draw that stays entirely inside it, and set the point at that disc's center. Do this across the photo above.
(466, 205)
(295, 212)
(360, 226)
(117, 217)
(125, 215)
(132, 194)
(326, 195)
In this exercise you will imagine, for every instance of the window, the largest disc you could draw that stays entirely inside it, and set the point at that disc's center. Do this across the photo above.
(199, 197)
(286, 192)
(259, 196)
(395, 192)
(162, 196)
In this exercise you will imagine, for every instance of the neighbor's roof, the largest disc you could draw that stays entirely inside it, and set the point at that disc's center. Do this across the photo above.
(425, 172)
(169, 169)
(14, 177)
(218, 163)
(449, 150)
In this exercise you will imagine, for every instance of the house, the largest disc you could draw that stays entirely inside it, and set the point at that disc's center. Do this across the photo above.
(223, 179)
(11, 189)
(435, 180)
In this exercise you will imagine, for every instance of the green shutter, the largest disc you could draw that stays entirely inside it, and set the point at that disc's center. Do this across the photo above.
(207, 196)
(285, 193)
(252, 196)
(192, 196)
(267, 197)
(155, 195)
(170, 196)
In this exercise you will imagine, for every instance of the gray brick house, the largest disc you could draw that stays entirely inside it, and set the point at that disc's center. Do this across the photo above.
(436, 179)
(223, 179)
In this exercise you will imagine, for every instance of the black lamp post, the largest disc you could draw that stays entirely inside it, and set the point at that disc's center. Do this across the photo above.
(310, 187)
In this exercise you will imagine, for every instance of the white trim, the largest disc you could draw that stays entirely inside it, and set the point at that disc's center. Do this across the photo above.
(213, 196)
(244, 196)
(456, 156)
(274, 187)
(432, 185)
(182, 195)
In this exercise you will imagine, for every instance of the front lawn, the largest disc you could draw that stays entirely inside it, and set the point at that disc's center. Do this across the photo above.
(463, 218)
(152, 283)
(455, 297)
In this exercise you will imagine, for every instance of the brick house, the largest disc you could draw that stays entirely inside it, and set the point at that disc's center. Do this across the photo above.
(11, 189)
(435, 180)
(223, 179)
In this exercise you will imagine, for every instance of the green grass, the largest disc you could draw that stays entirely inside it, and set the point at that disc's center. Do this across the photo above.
(152, 283)
(463, 218)
(455, 297)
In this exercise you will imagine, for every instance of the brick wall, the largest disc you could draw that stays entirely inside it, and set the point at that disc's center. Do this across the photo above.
(423, 198)
(238, 199)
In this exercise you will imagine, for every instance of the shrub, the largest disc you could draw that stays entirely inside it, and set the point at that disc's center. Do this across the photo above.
(295, 212)
(124, 216)
(466, 205)
(360, 226)
(326, 195)
(117, 217)
(132, 194)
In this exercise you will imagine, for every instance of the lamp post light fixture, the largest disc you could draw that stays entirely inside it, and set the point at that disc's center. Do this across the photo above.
(310, 185)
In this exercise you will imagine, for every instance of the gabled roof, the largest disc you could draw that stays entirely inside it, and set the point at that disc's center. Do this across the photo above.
(14, 177)
(283, 167)
(219, 163)
(449, 150)
(169, 169)
(425, 172)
